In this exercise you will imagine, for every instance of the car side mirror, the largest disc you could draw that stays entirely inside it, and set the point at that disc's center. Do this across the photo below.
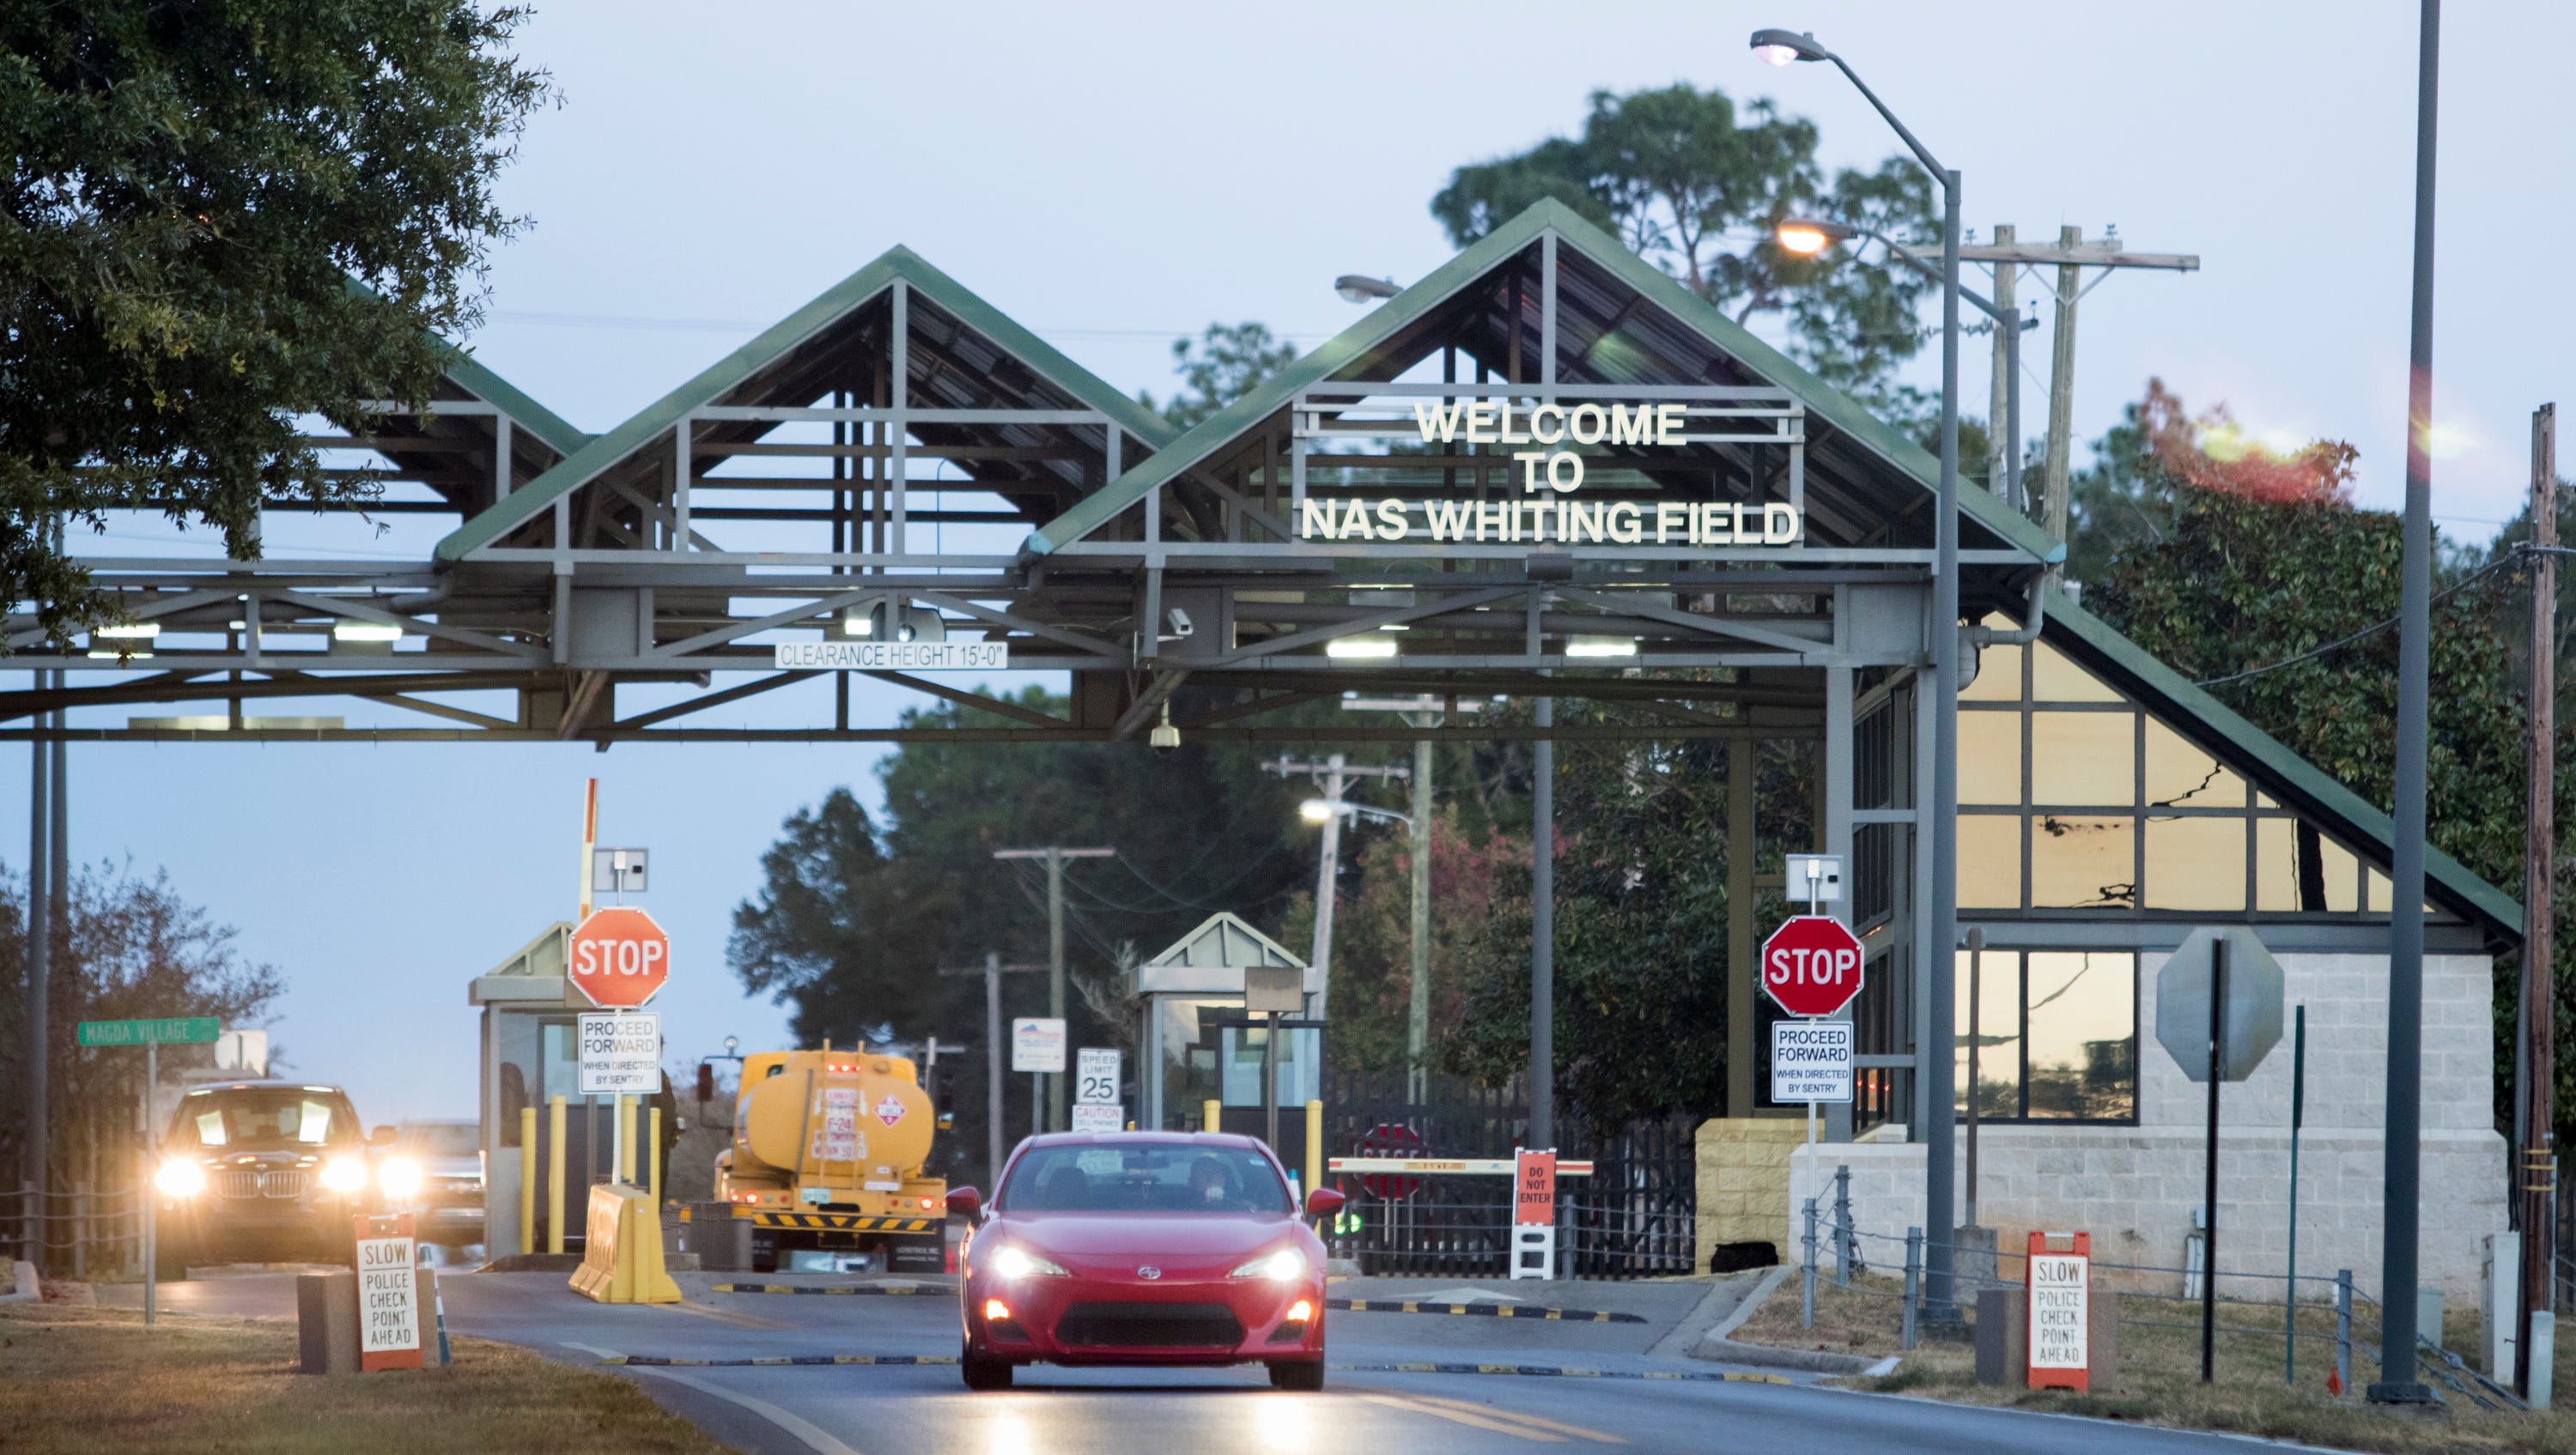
(1323, 1202)
(381, 1137)
(967, 1203)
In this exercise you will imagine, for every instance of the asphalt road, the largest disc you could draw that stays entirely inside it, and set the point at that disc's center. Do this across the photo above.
(879, 1409)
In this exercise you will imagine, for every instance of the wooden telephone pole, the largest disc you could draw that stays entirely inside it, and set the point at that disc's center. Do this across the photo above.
(2538, 1115)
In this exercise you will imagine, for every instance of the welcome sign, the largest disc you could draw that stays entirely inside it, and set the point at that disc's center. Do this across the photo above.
(1550, 473)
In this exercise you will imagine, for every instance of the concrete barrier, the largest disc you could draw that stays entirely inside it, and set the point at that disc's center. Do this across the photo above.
(326, 1322)
(621, 1258)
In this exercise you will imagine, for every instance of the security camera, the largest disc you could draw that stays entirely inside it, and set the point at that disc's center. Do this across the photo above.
(1176, 625)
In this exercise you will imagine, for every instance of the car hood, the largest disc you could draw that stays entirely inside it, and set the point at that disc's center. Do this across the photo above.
(1178, 1243)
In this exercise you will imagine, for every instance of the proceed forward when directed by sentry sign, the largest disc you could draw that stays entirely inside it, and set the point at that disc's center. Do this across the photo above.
(1811, 1061)
(621, 1054)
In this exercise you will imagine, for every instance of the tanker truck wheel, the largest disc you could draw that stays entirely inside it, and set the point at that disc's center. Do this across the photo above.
(984, 1373)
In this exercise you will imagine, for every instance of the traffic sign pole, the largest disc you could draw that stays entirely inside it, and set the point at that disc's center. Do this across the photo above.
(148, 1189)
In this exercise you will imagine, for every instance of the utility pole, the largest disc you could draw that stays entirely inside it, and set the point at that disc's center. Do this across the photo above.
(1421, 712)
(1334, 774)
(1055, 858)
(2003, 423)
(2538, 1111)
(2071, 255)
(992, 970)
(40, 941)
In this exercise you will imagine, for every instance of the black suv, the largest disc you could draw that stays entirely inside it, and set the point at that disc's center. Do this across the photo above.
(261, 1172)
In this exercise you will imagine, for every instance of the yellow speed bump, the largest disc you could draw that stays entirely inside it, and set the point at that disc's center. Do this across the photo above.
(621, 1260)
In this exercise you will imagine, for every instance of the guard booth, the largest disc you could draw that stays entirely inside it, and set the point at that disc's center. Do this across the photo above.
(1201, 1045)
(530, 1055)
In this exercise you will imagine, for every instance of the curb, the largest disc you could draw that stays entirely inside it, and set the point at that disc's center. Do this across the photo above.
(854, 1291)
(1716, 1348)
(1536, 1371)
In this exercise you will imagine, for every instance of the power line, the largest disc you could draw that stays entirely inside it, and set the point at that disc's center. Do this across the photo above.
(2454, 589)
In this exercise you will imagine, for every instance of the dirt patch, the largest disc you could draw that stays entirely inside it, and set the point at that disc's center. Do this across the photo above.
(81, 1379)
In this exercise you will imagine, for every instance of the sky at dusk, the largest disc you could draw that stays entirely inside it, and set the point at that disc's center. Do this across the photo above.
(1112, 175)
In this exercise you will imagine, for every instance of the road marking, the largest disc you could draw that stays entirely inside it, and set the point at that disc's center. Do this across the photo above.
(1596, 1436)
(1480, 1310)
(1558, 1371)
(885, 1291)
(726, 1316)
(1464, 1417)
(818, 1440)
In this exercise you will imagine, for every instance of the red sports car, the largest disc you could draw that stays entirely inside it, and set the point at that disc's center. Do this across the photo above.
(1143, 1248)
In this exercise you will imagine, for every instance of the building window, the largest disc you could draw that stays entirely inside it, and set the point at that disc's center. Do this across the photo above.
(2073, 798)
(2056, 1035)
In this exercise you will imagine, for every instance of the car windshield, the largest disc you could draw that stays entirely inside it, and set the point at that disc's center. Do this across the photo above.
(1143, 1177)
(267, 1118)
(440, 1139)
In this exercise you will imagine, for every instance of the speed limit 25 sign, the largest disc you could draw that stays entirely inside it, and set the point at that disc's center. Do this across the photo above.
(1095, 1077)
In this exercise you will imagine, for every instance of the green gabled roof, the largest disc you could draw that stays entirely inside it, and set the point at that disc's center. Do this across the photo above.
(1486, 254)
(834, 304)
(2444, 875)
(525, 412)
(491, 388)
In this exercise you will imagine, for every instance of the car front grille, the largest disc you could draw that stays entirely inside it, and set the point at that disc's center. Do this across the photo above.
(251, 1182)
(1148, 1325)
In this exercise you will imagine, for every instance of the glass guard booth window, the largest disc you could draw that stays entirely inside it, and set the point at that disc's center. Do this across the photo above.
(1203, 1060)
(2056, 1035)
(2072, 797)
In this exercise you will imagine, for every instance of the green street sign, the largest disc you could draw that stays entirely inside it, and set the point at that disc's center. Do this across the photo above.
(180, 1030)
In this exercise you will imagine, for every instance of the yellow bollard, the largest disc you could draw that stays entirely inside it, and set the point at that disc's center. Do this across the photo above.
(626, 1168)
(1210, 1109)
(554, 1174)
(1314, 1145)
(527, 1179)
(653, 1153)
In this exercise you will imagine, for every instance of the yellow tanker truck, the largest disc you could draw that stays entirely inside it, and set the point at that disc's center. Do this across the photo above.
(826, 1162)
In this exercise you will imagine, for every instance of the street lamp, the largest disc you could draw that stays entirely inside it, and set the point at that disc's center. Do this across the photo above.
(1809, 236)
(1361, 288)
(1939, 958)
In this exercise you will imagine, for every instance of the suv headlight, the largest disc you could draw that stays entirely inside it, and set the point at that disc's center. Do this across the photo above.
(344, 1174)
(180, 1178)
(1012, 1262)
(398, 1176)
(1285, 1266)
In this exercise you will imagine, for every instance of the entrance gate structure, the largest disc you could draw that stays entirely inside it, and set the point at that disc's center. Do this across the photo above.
(1545, 470)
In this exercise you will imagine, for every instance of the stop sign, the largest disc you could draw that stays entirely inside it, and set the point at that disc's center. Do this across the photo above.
(619, 958)
(1811, 965)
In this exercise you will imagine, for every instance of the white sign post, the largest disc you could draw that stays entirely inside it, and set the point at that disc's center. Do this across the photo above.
(1095, 1090)
(621, 1054)
(1037, 1044)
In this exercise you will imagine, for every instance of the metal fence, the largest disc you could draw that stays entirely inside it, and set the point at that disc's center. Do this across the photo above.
(78, 1232)
(1632, 1218)
(2313, 1316)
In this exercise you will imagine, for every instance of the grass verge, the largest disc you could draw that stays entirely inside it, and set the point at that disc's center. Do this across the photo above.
(87, 1379)
(2157, 1381)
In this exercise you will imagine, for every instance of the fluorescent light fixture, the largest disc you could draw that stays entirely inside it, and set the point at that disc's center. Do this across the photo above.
(365, 631)
(111, 654)
(858, 621)
(1601, 647)
(139, 631)
(1371, 645)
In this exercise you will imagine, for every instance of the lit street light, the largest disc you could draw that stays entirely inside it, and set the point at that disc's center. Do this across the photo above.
(1938, 959)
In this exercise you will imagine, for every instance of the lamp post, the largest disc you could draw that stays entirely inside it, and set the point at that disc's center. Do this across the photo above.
(1808, 236)
(1938, 958)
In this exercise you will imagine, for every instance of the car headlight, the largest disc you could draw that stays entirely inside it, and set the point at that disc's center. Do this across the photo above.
(1285, 1266)
(180, 1179)
(398, 1176)
(344, 1174)
(1020, 1263)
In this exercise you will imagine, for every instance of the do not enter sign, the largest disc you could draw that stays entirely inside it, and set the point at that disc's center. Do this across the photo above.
(619, 958)
(1811, 965)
